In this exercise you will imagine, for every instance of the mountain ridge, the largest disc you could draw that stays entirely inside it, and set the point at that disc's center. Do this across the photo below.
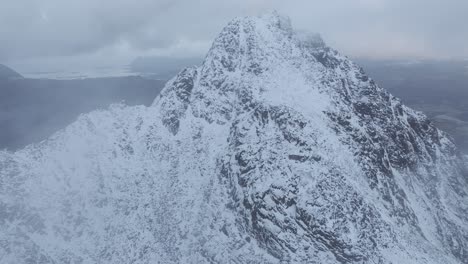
(276, 150)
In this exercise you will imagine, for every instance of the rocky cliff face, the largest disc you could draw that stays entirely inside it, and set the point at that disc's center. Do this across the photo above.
(277, 149)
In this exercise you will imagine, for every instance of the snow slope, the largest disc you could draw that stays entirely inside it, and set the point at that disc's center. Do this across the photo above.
(277, 149)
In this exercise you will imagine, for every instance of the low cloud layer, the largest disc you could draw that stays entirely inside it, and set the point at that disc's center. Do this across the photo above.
(370, 28)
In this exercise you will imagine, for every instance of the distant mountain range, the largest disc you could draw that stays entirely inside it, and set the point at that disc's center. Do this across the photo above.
(162, 67)
(7, 74)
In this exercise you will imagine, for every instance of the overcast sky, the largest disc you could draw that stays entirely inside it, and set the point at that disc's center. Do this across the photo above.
(108, 30)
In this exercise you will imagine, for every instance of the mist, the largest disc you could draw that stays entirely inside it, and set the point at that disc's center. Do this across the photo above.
(31, 110)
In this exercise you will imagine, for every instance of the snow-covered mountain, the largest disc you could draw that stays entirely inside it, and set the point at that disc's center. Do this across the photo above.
(277, 149)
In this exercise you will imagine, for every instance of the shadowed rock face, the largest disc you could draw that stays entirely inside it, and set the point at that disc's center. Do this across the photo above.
(276, 150)
(437, 88)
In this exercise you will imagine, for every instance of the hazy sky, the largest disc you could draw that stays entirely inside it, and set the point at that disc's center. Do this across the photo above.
(108, 30)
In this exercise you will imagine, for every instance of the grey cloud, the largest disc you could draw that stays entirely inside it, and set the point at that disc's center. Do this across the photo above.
(55, 27)
(374, 28)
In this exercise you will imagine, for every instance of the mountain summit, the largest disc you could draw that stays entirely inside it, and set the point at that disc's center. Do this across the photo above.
(277, 149)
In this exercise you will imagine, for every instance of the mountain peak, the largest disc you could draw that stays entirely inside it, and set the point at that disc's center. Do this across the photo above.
(277, 149)
(277, 19)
